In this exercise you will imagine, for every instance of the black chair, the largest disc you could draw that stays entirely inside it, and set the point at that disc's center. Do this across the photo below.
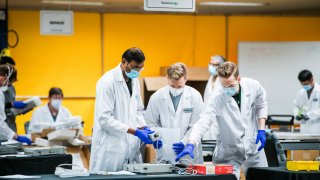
(274, 151)
(285, 122)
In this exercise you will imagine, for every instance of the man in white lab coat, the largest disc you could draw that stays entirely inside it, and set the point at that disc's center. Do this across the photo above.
(47, 115)
(212, 83)
(118, 116)
(176, 106)
(307, 104)
(239, 106)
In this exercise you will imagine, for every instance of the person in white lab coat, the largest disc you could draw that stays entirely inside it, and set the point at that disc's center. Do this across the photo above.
(8, 75)
(307, 104)
(239, 106)
(50, 113)
(215, 62)
(118, 116)
(176, 106)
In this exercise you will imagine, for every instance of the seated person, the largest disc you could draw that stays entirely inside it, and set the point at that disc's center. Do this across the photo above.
(50, 113)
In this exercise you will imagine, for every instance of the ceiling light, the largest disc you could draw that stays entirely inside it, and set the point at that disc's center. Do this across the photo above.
(72, 2)
(232, 4)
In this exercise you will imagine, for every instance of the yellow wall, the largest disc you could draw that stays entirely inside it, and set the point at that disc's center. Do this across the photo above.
(74, 62)
(164, 39)
(70, 62)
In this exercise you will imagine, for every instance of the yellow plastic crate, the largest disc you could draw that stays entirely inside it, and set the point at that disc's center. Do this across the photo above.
(303, 165)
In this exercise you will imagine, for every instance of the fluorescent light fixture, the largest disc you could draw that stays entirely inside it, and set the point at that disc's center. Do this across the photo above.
(232, 4)
(72, 2)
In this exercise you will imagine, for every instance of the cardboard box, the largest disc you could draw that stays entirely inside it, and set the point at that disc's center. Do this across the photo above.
(205, 169)
(150, 154)
(305, 155)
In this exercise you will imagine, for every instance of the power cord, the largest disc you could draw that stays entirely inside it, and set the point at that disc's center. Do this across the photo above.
(66, 173)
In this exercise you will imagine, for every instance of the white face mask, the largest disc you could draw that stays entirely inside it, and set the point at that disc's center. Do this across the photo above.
(56, 103)
(175, 91)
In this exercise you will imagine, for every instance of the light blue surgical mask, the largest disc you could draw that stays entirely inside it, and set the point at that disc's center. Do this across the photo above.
(231, 91)
(132, 74)
(212, 70)
(307, 87)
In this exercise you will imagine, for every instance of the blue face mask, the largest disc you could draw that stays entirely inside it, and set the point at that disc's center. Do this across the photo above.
(231, 91)
(132, 74)
(212, 70)
(307, 87)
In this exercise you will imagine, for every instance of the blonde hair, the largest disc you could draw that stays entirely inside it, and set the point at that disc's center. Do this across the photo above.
(227, 69)
(176, 71)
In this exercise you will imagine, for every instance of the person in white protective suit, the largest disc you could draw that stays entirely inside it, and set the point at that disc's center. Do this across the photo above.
(213, 81)
(118, 117)
(8, 75)
(45, 116)
(307, 104)
(176, 106)
(239, 106)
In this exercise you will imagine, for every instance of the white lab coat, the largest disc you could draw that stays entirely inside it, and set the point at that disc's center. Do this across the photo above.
(238, 130)
(213, 130)
(311, 107)
(42, 117)
(5, 131)
(115, 112)
(161, 113)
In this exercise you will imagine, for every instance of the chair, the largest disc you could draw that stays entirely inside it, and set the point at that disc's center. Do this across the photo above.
(274, 151)
(285, 122)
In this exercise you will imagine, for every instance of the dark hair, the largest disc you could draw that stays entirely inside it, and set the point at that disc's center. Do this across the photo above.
(55, 91)
(5, 69)
(305, 75)
(133, 54)
(7, 59)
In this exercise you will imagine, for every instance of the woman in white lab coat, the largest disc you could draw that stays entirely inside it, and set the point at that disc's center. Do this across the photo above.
(239, 106)
(176, 106)
(45, 116)
(212, 83)
(8, 75)
(307, 104)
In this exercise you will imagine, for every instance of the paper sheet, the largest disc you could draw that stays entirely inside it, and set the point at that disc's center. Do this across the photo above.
(169, 136)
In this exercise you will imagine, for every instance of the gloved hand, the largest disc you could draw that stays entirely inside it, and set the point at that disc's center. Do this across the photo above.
(19, 104)
(178, 147)
(146, 128)
(187, 150)
(143, 135)
(157, 144)
(262, 138)
(23, 139)
(302, 117)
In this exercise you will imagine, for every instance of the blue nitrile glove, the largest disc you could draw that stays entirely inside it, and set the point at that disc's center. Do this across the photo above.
(143, 135)
(262, 138)
(19, 104)
(187, 150)
(146, 128)
(157, 144)
(178, 147)
(23, 139)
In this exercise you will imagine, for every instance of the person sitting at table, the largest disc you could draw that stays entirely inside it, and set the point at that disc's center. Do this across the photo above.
(50, 113)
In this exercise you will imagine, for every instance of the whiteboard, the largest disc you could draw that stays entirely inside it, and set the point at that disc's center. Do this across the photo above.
(276, 66)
